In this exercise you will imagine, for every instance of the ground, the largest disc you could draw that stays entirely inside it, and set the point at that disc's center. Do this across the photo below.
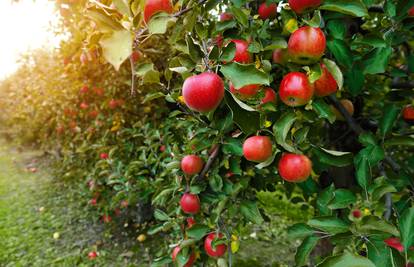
(45, 223)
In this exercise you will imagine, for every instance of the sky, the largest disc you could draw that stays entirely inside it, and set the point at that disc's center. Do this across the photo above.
(24, 25)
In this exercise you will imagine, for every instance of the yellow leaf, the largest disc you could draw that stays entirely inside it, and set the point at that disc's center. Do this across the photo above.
(235, 245)
(290, 26)
(267, 124)
(181, 99)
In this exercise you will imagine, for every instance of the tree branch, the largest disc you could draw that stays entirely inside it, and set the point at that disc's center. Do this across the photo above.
(132, 76)
(358, 129)
(214, 153)
(185, 10)
(403, 85)
(228, 236)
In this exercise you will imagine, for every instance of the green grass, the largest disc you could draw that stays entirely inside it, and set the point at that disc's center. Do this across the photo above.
(34, 206)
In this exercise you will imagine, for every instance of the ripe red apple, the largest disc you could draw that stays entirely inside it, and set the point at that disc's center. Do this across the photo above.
(394, 242)
(93, 114)
(269, 97)
(99, 91)
(203, 92)
(84, 105)
(242, 55)
(357, 213)
(192, 164)
(93, 202)
(267, 11)
(84, 89)
(190, 222)
(60, 129)
(245, 92)
(135, 56)
(113, 104)
(225, 16)
(326, 84)
(295, 89)
(154, 6)
(294, 168)
(92, 255)
(411, 12)
(124, 204)
(104, 156)
(106, 218)
(217, 251)
(306, 45)
(408, 114)
(280, 56)
(191, 258)
(190, 203)
(302, 6)
(348, 107)
(257, 148)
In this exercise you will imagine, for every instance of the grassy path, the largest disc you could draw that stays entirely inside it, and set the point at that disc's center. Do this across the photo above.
(39, 226)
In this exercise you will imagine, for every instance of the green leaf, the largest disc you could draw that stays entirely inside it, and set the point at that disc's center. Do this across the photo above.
(331, 225)
(323, 110)
(354, 79)
(389, 117)
(379, 253)
(160, 262)
(406, 225)
(350, 7)
(362, 170)
(148, 73)
(160, 23)
(342, 199)
(315, 21)
(346, 260)
(276, 44)
(117, 47)
(269, 161)
(215, 182)
(300, 230)
(337, 29)
(333, 158)
(281, 129)
(324, 198)
(161, 216)
(123, 7)
(233, 146)
(241, 74)
(240, 16)
(249, 122)
(242, 104)
(197, 231)
(341, 52)
(228, 52)
(335, 71)
(371, 224)
(305, 249)
(377, 60)
(251, 212)
(400, 141)
(152, 96)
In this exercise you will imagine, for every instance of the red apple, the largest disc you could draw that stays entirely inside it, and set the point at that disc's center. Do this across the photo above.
(99, 91)
(162, 148)
(225, 16)
(203, 92)
(242, 55)
(245, 92)
(394, 242)
(357, 213)
(84, 105)
(267, 11)
(216, 251)
(190, 203)
(135, 56)
(93, 114)
(326, 84)
(124, 204)
(93, 202)
(106, 218)
(408, 114)
(66, 61)
(190, 222)
(84, 89)
(302, 6)
(154, 6)
(60, 129)
(219, 40)
(294, 168)
(192, 164)
(92, 255)
(411, 12)
(104, 156)
(113, 104)
(257, 148)
(269, 97)
(280, 56)
(348, 107)
(306, 45)
(295, 89)
(191, 258)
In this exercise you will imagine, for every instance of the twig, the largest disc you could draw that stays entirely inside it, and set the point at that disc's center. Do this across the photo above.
(403, 85)
(205, 58)
(228, 236)
(209, 163)
(185, 10)
(388, 197)
(131, 60)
